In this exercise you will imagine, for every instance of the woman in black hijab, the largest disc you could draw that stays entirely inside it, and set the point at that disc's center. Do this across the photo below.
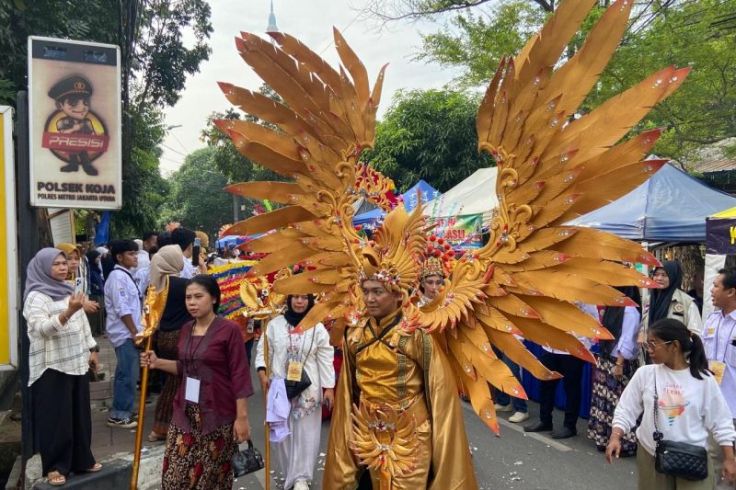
(617, 360)
(670, 301)
(301, 360)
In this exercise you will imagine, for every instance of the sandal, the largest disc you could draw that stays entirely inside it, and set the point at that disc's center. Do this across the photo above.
(95, 468)
(155, 437)
(55, 479)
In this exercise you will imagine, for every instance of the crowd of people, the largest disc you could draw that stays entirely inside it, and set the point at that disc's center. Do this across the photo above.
(665, 370)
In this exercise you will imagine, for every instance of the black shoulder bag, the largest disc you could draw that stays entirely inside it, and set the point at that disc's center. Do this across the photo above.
(680, 459)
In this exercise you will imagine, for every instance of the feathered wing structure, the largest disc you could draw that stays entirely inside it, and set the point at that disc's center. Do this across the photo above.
(325, 121)
(552, 164)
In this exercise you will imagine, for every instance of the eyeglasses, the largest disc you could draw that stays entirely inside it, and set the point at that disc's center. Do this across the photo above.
(651, 345)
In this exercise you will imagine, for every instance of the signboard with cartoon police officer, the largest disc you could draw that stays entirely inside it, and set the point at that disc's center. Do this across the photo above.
(75, 124)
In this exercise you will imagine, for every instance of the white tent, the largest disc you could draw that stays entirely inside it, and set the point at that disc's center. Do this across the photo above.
(474, 195)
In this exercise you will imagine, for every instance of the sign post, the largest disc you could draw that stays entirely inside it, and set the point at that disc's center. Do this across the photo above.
(75, 124)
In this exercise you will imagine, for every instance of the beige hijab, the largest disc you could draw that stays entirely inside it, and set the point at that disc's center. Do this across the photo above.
(168, 261)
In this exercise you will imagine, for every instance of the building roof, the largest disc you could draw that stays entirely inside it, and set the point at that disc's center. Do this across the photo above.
(711, 166)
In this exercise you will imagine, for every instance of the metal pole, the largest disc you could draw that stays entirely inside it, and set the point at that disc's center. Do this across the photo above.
(28, 243)
(236, 205)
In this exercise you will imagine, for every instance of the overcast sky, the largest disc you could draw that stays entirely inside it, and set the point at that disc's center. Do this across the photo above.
(311, 21)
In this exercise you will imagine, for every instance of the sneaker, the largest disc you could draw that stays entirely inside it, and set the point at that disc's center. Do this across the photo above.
(504, 408)
(126, 423)
(300, 485)
(519, 417)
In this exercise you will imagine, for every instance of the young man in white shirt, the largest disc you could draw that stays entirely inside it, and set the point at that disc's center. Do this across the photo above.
(185, 239)
(123, 305)
(719, 340)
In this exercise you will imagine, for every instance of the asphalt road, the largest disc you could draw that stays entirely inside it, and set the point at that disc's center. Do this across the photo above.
(514, 460)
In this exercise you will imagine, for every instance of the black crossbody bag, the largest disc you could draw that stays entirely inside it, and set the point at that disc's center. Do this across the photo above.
(680, 459)
(295, 388)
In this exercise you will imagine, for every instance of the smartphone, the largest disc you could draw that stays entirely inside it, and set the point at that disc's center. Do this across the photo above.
(195, 252)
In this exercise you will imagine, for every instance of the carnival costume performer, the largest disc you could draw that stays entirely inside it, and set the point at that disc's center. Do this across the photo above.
(396, 410)
(434, 270)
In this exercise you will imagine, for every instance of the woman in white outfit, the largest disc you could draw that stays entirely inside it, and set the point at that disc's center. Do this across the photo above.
(292, 352)
(689, 407)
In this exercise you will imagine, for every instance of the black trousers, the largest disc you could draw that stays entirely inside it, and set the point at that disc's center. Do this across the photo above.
(572, 369)
(62, 423)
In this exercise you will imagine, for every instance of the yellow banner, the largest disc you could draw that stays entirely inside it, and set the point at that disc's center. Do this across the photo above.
(9, 279)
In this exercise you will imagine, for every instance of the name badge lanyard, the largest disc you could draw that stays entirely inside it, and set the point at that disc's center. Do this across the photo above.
(191, 357)
(295, 363)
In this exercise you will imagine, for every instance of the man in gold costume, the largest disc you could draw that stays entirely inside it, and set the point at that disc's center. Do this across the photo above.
(397, 414)
(408, 419)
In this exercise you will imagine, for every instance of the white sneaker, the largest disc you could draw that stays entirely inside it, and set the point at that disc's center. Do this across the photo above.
(504, 408)
(300, 485)
(519, 417)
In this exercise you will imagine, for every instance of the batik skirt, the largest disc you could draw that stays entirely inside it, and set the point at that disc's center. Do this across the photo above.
(606, 393)
(197, 461)
(166, 348)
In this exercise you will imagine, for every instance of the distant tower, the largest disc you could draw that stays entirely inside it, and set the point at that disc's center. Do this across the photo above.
(272, 27)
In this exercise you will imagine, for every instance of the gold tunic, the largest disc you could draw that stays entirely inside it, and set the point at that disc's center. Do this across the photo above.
(406, 419)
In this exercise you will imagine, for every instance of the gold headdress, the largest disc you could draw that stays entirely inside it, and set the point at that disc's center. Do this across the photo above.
(551, 168)
(439, 258)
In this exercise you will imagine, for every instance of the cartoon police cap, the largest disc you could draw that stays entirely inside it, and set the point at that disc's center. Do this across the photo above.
(71, 86)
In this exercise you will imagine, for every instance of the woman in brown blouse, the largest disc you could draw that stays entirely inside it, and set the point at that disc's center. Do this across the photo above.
(210, 409)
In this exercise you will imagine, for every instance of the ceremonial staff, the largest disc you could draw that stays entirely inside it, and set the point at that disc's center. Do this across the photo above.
(263, 305)
(153, 310)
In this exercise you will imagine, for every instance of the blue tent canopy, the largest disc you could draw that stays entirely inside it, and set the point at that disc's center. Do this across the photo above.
(410, 197)
(669, 207)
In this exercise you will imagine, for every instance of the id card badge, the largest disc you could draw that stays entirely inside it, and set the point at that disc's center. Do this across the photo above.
(718, 369)
(191, 391)
(294, 371)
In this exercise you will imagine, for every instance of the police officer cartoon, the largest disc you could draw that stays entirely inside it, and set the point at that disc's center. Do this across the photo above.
(72, 96)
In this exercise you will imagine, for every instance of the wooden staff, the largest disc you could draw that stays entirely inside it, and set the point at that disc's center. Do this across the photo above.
(267, 449)
(141, 417)
(153, 310)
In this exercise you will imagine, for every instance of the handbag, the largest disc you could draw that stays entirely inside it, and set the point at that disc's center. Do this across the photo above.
(295, 388)
(680, 459)
(247, 461)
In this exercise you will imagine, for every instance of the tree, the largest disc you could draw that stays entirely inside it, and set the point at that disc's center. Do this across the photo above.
(155, 64)
(196, 198)
(701, 112)
(477, 42)
(699, 33)
(428, 135)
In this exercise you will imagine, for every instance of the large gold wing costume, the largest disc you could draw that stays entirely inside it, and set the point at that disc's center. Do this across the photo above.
(553, 164)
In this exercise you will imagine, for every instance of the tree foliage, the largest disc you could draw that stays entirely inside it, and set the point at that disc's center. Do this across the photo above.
(697, 33)
(155, 64)
(428, 135)
(476, 42)
(196, 198)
